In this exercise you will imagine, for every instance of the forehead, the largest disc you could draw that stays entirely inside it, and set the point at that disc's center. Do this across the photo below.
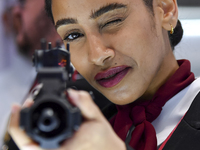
(38, 2)
(81, 8)
(34, 6)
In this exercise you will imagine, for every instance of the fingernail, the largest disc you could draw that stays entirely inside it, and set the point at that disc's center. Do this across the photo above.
(15, 108)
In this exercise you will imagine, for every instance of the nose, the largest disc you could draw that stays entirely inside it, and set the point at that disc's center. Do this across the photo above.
(98, 52)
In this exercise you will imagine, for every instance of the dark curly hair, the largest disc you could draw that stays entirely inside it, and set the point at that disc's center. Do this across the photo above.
(175, 38)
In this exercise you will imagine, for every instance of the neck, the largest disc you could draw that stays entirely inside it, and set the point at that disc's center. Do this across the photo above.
(166, 70)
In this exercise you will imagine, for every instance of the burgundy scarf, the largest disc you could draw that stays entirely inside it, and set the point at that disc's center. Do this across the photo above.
(141, 115)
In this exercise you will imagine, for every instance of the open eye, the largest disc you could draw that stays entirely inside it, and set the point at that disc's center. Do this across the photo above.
(73, 36)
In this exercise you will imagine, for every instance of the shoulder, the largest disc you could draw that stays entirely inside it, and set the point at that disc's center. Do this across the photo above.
(187, 133)
(174, 110)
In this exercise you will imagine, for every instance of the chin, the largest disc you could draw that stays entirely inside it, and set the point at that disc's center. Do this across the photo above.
(125, 96)
(121, 98)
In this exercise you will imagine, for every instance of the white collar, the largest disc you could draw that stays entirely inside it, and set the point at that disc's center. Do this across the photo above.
(174, 110)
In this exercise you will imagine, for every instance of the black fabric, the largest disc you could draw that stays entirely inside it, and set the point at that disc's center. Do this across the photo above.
(187, 134)
(11, 145)
(129, 135)
(159, 146)
(128, 147)
(109, 111)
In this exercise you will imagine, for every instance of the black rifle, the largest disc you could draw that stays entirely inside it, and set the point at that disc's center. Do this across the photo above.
(52, 118)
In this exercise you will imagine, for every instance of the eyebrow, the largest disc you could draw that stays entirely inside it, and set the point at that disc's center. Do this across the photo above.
(65, 21)
(106, 8)
(94, 14)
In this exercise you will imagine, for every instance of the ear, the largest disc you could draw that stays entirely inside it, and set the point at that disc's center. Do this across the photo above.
(169, 13)
(17, 13)
(7, 21)
(13, 22)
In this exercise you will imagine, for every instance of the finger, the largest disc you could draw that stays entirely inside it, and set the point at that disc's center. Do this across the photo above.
(28, 103)
(85, 103)
(14, 116)
(31, 147)
(18, 135)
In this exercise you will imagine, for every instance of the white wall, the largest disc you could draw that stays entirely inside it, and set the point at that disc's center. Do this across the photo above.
(189, 47)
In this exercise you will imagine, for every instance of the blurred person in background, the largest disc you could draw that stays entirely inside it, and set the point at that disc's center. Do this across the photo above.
(23, 24)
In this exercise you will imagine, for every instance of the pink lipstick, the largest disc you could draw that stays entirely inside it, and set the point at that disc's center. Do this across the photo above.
(112, 77)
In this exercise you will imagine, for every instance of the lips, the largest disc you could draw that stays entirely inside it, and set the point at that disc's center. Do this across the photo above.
(112, 77)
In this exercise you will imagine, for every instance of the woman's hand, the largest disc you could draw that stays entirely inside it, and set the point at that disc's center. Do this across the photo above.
(95, 133)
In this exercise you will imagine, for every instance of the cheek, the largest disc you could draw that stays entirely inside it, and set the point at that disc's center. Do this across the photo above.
(79, 61)
(75, 59)
(144, 45)
(142, 51)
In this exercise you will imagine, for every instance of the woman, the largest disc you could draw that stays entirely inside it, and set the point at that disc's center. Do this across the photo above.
(122, 48)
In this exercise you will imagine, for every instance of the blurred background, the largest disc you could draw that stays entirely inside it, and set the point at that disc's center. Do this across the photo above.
(189, 47)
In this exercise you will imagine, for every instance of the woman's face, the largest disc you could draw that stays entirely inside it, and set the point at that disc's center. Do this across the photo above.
(117, 45)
